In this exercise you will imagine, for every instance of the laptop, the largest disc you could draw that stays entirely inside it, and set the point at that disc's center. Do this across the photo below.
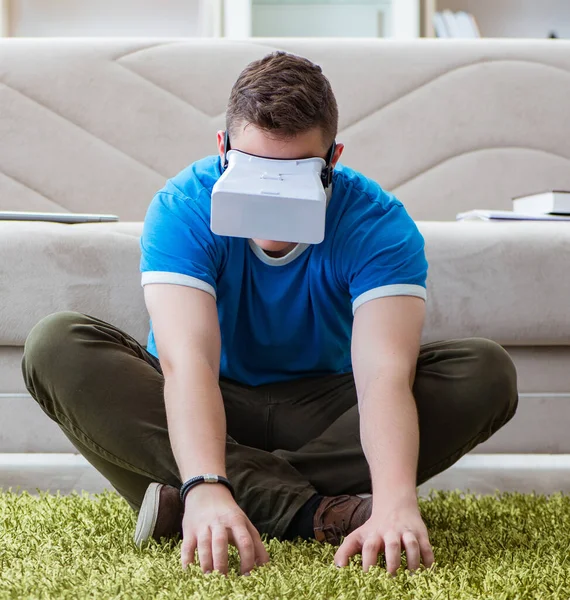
(15, 215)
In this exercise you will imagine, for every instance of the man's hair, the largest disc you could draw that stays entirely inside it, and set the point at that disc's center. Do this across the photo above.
(283, 94)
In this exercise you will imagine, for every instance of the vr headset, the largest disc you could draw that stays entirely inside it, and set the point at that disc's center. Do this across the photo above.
(271, 199)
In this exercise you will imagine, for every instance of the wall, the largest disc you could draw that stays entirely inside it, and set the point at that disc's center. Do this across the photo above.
(167, 18)
(516, 18)
(131, 18)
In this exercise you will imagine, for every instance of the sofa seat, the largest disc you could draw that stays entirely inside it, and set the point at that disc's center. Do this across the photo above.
(48, 267)
(493, 280)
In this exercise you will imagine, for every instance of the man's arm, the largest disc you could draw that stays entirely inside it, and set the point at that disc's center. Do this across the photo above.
(385, 347)
(187, 334)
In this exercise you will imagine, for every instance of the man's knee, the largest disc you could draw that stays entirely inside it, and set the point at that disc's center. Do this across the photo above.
(48, 345)
(494, 377)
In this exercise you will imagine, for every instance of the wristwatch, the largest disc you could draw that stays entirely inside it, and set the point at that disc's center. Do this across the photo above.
(207, 478)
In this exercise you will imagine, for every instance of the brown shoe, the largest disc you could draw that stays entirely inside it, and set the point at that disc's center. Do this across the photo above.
(337, 516)
(160, 514)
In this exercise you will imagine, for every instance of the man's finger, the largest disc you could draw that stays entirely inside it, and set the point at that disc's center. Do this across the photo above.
(188, 551)
(220, 549)
(412, 548)
(205, 550)
(261, 554)
(351, 546)
(426, 551)
(370, 550)
(242, 540)
(392, 550)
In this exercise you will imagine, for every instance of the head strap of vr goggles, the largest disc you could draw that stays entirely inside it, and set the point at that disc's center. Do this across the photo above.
(326, 173)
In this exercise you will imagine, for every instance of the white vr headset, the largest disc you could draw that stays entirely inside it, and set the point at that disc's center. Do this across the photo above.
(271, 199)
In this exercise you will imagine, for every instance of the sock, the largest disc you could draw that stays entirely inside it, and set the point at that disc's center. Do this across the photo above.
(302, 523)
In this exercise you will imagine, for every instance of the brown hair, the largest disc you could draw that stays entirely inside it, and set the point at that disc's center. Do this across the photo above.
(284, 94)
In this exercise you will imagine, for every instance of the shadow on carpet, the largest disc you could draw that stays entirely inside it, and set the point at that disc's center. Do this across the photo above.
(507, 546)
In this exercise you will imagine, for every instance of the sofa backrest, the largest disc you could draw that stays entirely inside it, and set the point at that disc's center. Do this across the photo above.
(99, 125)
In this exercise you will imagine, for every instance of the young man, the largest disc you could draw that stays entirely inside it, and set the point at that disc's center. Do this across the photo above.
(288, 378)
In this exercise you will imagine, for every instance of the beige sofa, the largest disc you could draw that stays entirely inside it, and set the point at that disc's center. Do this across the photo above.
(99, 125)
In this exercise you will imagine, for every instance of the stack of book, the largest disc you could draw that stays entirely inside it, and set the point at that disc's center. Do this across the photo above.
(546, 206)
(461, 24)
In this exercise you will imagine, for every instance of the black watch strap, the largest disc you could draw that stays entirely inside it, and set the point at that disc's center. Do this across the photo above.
(207, 478)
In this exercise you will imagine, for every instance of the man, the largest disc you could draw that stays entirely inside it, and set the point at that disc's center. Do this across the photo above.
(283, 382)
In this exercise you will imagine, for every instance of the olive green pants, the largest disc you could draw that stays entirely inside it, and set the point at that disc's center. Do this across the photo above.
(286, 441)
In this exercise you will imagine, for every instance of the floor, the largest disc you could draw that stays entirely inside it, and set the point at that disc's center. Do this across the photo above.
(479, 473)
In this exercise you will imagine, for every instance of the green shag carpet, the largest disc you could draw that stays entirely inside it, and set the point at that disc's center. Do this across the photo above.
(508, 546)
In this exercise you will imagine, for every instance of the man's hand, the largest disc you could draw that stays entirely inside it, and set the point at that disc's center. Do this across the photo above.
(391, 530)
(212, 520)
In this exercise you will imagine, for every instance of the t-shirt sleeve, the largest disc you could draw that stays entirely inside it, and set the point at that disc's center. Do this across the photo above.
(384, 255)
(177, 245)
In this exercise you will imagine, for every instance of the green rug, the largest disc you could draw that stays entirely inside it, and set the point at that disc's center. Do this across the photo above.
(79, 546)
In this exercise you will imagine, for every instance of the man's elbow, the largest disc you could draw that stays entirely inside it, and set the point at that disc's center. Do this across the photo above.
(390, 376)
(185, 364)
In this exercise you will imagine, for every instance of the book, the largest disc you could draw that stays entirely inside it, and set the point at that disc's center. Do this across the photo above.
(467, 25)
(451, 25)
(440, 26)
(448, 24)
(555, 202)
(505, 215)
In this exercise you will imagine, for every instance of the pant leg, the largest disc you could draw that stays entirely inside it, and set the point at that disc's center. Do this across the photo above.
(465, 391)
(105, 391)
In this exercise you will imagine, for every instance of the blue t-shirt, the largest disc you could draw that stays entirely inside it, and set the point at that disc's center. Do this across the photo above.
(290, 317)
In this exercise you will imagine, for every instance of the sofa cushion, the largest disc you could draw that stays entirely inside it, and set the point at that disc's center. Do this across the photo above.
(48, 267)
(505, 281)
(97, 125)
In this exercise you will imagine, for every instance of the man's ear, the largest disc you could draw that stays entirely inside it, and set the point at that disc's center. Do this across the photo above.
(221, 144)
(337, 154)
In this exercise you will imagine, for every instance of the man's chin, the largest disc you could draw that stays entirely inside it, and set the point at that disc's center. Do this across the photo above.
(271, 246)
